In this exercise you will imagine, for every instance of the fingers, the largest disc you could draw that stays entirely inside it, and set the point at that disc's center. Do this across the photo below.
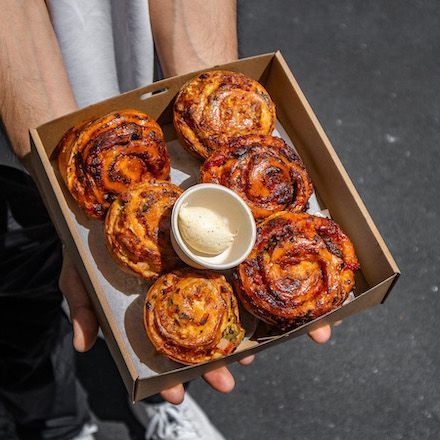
(321, 335)
(247, 360)
(220, 379)
(174, 394)
(85, 324)
(85, 327)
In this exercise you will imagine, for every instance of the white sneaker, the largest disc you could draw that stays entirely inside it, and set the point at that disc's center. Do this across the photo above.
(87, 432)
(165, 421)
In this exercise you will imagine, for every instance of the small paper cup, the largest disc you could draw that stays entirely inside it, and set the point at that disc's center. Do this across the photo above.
(224, 201)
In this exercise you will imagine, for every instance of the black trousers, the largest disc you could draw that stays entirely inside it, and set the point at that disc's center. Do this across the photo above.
(37, 365)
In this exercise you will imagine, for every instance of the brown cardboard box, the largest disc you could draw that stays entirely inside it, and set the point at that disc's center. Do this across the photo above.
(144, 371)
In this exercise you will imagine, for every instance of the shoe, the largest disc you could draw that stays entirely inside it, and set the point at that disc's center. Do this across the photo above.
(87, 432)
(164, 421)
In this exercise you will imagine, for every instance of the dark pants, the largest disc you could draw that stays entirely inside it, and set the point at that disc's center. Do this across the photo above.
(37, 366)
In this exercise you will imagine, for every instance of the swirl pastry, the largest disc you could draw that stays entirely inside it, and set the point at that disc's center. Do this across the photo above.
(101, 158)
(137, 228)
(301, 267)
(264, 171)
(192, 316)
(219, 104)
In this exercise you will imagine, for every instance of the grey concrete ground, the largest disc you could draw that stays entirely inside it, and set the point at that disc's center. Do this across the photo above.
(371, 71)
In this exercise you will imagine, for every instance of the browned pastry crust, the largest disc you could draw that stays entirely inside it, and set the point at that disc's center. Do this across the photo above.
(103, 157)
(219, 104)
(137, 228)
(264, 171)
(301, 267)
(192, 316)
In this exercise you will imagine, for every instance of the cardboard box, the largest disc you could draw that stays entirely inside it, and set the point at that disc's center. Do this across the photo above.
(120, 315)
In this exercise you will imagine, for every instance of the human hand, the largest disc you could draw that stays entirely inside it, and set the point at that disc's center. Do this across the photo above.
(85, 330)
(222, 380)
(82, 315)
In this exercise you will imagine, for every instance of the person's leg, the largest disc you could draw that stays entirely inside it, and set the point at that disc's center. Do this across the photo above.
(37, 371)
(49, 403)
(7, 425)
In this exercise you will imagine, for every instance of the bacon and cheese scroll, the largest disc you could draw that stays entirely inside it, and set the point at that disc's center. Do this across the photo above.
(301, 267)
(264, 170)
(103, 157)
(219, 104)
(192, 316)
(137, 228)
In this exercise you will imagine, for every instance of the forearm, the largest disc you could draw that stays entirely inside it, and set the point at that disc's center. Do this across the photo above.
(34, 87)
(191, 35)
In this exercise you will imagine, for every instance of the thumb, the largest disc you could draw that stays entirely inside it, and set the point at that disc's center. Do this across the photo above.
(321, 335)
(85, 327)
